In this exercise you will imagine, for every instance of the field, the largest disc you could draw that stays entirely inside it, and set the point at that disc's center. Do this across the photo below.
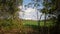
(31, 26)
(32, 22)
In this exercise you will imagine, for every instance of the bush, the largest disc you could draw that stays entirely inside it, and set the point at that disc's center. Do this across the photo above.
(10, 24)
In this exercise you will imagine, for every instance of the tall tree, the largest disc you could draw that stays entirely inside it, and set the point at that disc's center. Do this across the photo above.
(9, 12)
(54, 8)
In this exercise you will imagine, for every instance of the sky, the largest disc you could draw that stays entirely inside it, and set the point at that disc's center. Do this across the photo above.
(29, 13)
(25, 2)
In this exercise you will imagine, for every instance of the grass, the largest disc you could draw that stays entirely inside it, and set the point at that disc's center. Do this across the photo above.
(31, 26)
(32, 22)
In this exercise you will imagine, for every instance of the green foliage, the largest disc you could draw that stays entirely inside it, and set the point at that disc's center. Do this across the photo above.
(6, 23)
(31, 22)
(10, 6)
(8, 14)
(49, 5)
(9, 24)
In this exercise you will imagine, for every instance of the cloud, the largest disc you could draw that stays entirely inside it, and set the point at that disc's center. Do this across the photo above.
(29, 10)
(20, 7)
(30, 14)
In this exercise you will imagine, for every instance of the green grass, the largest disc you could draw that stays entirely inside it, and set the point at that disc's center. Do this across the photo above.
(32, 22)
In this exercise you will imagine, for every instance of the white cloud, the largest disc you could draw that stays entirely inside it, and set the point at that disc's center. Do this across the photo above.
(30, 13)
(20, 7)
(29, 10)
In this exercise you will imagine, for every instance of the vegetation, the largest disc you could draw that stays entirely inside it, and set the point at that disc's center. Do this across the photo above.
(9, 19)
(51, 7)
(32, 22)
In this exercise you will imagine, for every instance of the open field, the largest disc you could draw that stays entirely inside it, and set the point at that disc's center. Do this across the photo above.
(32, 22)
(31, 27)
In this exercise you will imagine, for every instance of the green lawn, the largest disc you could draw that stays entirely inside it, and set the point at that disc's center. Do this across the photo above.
(32, 22)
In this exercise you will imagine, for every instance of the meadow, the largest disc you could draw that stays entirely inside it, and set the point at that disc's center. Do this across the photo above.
(31, 26)
(34, 22)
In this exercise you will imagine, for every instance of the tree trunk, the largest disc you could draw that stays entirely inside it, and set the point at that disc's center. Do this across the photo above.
(57, 31)
(39, 28)
(45, 24)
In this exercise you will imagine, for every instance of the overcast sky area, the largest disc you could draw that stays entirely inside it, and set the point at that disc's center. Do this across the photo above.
(30, 13)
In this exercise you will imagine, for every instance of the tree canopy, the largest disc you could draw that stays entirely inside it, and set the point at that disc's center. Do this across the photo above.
(9, 7)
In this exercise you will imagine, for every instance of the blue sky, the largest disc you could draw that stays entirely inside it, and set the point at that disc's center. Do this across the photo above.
(25, 2)
(29, 12)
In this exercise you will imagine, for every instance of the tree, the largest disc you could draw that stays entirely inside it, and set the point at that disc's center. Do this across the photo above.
(54, 8)
(9, 12)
